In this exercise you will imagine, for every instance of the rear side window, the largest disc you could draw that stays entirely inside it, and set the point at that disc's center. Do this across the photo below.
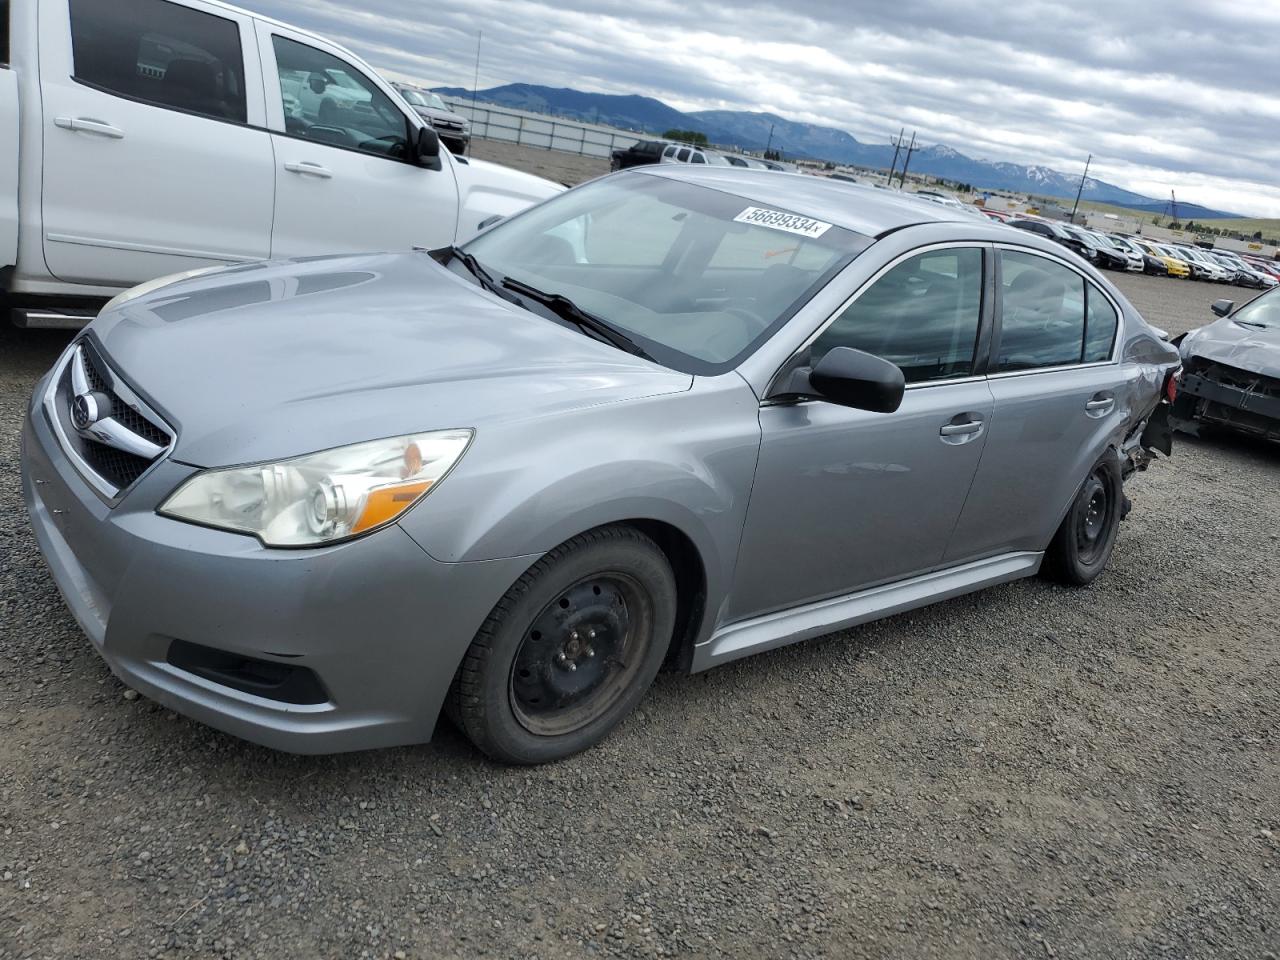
(923, 315)
(161, 53)
(1043, 313)
(683, 156)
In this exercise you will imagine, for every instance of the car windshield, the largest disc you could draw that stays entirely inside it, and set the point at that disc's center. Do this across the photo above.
(1263, 312)
(697, 277)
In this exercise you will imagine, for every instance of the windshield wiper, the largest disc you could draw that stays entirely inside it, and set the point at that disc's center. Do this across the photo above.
(567, 310)
(473, 266)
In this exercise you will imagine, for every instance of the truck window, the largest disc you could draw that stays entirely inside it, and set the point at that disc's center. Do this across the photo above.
(161, 53)
(328, 100)
(4, 32)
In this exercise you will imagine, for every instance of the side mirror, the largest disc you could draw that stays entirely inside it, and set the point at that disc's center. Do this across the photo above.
(426, 149)
(1223, 307)
(853, 378)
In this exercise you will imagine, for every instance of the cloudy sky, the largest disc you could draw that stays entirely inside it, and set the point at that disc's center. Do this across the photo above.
(1179, 94)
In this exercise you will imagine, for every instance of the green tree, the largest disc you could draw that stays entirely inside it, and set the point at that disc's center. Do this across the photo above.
(688, 136)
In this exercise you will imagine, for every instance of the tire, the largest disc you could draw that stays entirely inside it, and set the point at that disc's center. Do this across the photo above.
(570, 649)
(1083, 544)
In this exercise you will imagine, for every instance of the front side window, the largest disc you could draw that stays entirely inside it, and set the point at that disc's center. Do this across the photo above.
(161, 53)
(328, 100)
(698, 277)
(1042, 318)
(923, 315)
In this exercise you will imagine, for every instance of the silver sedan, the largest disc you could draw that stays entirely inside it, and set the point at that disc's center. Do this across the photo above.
(677, 416)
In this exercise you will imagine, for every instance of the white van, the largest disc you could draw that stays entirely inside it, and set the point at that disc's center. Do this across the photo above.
(141, 138)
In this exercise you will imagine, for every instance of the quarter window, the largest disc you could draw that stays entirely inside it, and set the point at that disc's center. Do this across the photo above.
(161, 53)
(1101, 323)
(923, 315)
(1042, 319)
(328, 100)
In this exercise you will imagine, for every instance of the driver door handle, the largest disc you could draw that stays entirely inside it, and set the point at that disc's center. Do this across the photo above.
(962, 428)
(308, 168)
(86, 125)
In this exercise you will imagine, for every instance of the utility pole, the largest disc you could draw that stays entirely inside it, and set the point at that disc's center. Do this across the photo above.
(770, 143)
(897, 145)
(906, 161)
(475, 84)
(1083, 177)
(1173, 204)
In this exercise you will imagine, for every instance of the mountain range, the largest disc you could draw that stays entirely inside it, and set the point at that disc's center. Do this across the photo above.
(755, 131)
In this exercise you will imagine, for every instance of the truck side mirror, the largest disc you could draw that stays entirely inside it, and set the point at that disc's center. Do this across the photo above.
(426, 148)
(1223, 307)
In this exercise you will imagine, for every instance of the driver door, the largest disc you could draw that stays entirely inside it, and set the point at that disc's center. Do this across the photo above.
(343, 181)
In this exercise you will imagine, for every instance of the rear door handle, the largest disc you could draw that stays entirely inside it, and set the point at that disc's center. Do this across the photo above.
(962, 428)
(1099, 405)
(87, 125)
(308, 168)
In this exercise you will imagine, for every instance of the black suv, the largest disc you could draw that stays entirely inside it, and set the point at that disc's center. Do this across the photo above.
(1054, 232)
(638, 154)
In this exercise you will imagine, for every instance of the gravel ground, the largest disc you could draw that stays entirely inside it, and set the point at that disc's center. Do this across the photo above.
(1031, 771)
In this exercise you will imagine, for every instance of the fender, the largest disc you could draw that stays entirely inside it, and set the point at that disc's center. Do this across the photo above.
(642, 453)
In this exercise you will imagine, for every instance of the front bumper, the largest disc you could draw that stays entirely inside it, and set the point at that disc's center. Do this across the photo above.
(1251, 407)
(380, 624)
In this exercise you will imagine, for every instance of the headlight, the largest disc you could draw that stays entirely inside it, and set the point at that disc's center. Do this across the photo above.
(321, 497)
(144, 288)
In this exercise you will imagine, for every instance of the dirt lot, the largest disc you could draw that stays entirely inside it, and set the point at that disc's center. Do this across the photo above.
(1027, 772)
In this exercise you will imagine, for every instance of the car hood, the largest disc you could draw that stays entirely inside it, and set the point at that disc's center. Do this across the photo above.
(1246, 348)
(435, 113)
(276, 359)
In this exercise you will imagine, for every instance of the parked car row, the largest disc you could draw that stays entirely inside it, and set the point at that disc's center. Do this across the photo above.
(1143, 255)
(667, 151)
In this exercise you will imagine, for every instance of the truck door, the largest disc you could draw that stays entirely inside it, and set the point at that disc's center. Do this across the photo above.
(344, 182)
(154, 156)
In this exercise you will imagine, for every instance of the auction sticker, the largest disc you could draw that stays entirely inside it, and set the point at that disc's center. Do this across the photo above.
(781, 220)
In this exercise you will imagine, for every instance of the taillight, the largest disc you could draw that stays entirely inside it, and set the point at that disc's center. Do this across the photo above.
(1171, 385)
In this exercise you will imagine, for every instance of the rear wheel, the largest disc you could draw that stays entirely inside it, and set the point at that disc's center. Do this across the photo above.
(1084, 542)
(569, 651)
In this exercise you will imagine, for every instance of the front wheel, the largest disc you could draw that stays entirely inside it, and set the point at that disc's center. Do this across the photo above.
(569, 651)
(1084, 542)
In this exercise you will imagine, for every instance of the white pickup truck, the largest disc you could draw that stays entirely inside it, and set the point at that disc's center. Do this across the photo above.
(142, 138)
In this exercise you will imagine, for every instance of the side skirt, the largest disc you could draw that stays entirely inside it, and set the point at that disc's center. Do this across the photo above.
(746, 637)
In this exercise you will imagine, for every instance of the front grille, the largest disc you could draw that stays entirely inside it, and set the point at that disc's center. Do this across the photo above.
(123, 438)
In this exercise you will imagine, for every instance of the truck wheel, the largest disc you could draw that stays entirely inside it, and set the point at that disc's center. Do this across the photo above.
(569, 651)
(1083, 544)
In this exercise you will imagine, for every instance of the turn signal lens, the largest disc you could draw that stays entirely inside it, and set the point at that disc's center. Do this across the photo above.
(386, 503)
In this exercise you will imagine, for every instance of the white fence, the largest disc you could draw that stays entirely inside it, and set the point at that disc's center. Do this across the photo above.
(491, 122)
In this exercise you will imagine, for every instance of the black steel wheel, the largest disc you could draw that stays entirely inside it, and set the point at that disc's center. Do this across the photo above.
(580, 654)
(569, 650)
(1087, 535)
